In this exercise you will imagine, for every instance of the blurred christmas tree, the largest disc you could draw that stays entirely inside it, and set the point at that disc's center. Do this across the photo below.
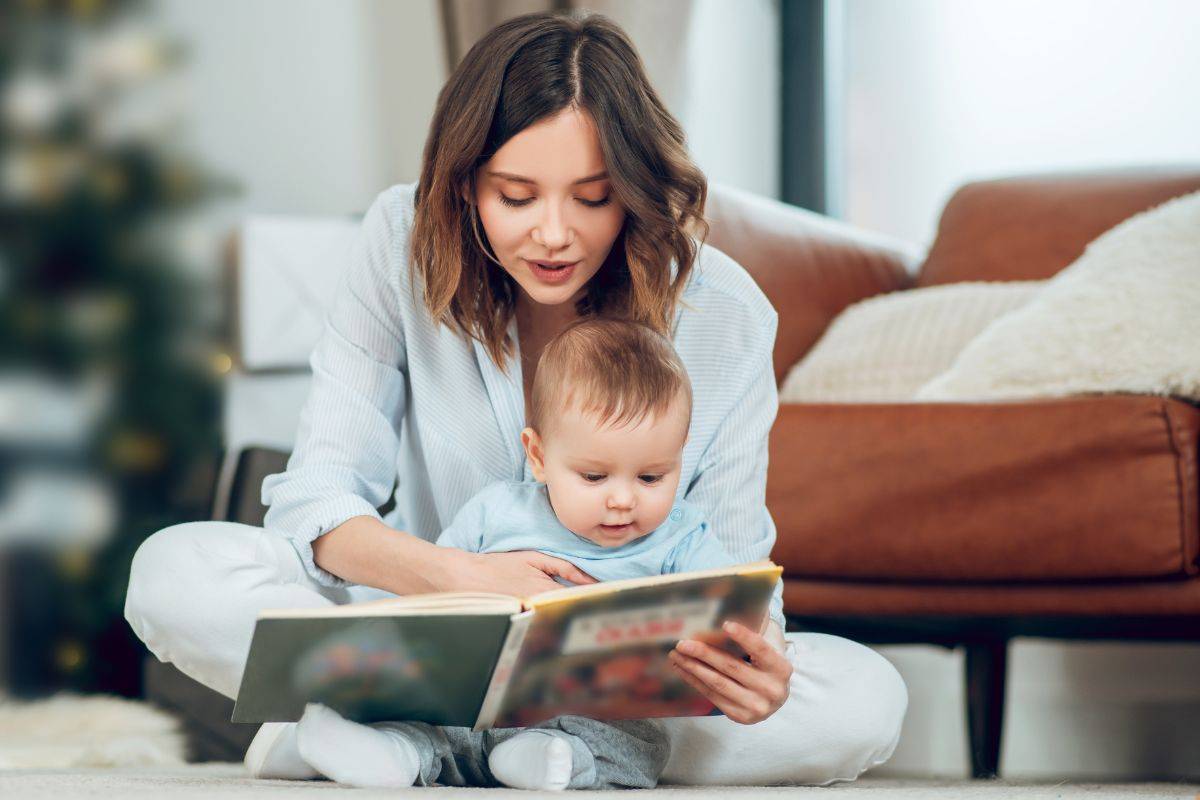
(109, 345)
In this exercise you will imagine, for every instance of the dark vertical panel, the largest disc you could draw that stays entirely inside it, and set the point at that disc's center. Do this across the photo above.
(802, 107)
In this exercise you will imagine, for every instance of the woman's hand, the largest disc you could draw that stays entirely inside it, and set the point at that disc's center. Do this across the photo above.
(521, 573)
(747, 692)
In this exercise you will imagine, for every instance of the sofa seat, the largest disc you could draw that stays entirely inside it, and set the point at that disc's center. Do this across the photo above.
(1103, 600)
(1077, 489)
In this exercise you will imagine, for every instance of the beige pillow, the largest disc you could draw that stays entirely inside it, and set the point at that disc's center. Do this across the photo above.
(1124, 317)
(884, 348)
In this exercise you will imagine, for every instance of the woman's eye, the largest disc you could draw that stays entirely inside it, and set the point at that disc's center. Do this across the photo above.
(650, 478)
(592, 477)
(515, 203)
(512, 201)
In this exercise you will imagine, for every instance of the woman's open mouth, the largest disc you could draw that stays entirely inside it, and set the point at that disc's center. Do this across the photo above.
(551, 273)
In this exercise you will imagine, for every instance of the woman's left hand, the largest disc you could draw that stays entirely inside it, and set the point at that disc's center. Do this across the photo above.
(747, 692)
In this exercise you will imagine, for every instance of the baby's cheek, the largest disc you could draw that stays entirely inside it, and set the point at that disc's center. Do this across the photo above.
(656, 511)
(573, 510)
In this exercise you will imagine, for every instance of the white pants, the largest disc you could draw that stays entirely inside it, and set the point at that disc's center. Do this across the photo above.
(195, 591)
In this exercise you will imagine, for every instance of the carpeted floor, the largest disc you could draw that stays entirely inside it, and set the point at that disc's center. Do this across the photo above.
(229, 781)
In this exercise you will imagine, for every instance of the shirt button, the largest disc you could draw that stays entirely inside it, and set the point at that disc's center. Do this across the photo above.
(677, 515)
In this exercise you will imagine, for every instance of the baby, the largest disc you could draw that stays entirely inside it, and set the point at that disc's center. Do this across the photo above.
(611, 409)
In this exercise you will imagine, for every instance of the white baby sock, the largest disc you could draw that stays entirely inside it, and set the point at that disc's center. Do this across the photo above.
(355, 754)
(532, 760)
(273, 754)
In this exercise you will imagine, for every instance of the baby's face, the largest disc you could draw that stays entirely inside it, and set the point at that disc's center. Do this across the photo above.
(610, 485)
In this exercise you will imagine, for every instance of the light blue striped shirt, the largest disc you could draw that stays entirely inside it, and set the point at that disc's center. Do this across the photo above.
(398, 400)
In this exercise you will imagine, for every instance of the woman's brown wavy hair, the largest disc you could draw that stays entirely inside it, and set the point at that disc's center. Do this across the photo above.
(521, 72)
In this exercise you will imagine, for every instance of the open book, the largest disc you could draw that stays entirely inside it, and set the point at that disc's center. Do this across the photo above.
(490, 660)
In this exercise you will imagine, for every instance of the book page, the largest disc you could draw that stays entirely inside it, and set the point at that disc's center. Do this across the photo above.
(414, 604)
(604, 587)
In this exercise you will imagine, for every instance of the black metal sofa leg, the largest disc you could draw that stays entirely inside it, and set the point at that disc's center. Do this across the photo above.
(986, 666)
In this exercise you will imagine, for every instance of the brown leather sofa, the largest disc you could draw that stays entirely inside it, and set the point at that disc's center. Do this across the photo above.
(970, 523)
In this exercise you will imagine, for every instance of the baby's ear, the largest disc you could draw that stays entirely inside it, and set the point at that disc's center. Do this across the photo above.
(533, 451)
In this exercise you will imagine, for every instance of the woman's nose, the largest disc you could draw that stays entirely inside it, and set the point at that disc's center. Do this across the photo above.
(553, 233)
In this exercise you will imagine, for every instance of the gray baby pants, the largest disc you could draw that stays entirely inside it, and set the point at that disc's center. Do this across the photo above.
(624, 754)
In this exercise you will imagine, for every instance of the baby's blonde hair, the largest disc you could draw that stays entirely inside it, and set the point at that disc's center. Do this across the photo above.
(617, 369)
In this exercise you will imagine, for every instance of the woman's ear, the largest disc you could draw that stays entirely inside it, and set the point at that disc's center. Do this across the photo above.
(533, 451)
(467, 188)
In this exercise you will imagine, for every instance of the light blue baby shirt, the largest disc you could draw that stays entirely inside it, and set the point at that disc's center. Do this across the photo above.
(517, 515)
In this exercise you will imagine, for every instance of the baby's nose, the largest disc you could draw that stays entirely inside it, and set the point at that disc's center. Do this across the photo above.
(620, 500)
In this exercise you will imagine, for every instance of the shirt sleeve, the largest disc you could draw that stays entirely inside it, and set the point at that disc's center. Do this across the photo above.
(467, 528)
(344, 461)
(730, 484)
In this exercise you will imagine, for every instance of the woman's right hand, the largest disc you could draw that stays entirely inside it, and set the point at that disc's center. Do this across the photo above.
(520, 573)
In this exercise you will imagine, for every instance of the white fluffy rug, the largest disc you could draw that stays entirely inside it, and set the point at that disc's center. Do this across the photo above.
(1124, 317)
(70, 730)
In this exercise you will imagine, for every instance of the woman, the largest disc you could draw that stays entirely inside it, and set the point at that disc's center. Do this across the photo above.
(554, 185)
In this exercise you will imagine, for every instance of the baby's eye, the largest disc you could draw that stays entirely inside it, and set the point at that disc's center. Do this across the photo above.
(651, 478)
(592, 477)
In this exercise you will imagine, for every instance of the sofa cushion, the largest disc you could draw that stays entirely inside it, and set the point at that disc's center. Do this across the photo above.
(884, 348)
(1122, 318)
(1081, 488)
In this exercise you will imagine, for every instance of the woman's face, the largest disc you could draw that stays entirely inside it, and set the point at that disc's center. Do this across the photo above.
(545, 197)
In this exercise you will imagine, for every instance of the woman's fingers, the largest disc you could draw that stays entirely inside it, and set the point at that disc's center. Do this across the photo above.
(746, 692)
(733, 668)
(739, 703)
(731, 709)
(761, 652)
(768, 667)
(518, 573)
(563, 569)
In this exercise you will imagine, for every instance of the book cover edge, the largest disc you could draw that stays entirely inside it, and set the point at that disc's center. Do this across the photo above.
(493, 699)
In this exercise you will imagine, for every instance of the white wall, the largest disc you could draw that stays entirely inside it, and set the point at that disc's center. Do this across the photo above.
(938, 92)
(313, 106)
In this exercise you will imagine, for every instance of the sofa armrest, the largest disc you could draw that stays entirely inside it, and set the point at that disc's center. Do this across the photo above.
(1031, 226)
(809, 266)
(1070, 489)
